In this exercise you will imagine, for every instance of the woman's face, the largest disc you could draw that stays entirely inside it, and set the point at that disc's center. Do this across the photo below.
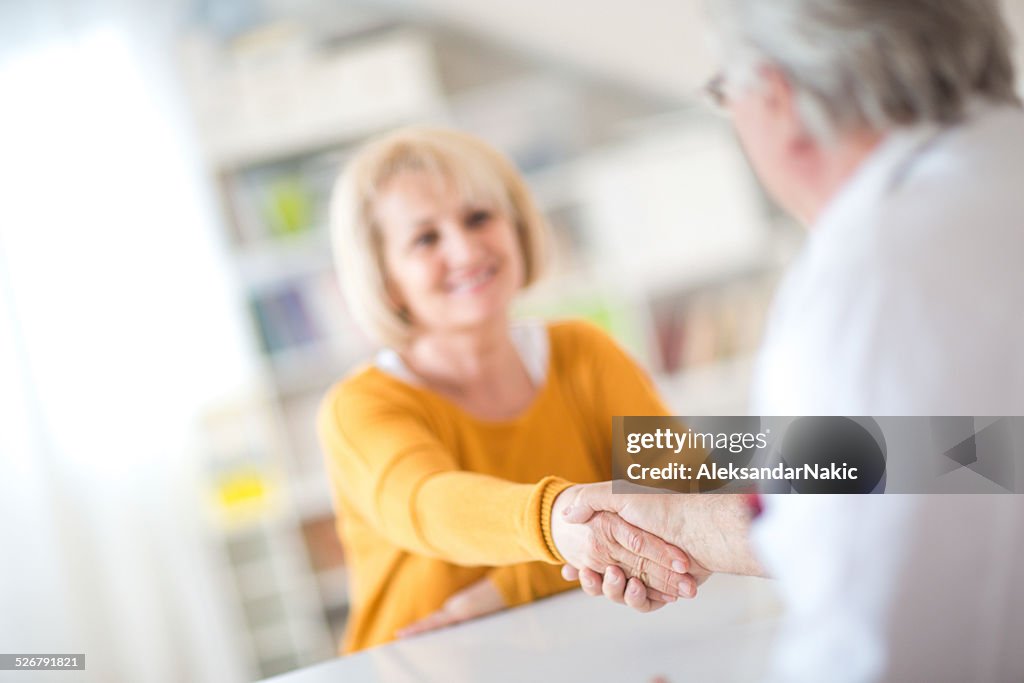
(452, 264)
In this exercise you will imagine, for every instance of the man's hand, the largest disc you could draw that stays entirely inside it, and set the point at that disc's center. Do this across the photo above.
(604, 540)
(712, 528)
(476, 600)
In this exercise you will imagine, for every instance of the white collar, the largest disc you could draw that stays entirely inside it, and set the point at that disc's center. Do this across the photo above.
(886, 169)
(882, 173)
(530, 338)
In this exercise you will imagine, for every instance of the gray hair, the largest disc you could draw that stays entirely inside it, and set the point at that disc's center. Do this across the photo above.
(878, 64)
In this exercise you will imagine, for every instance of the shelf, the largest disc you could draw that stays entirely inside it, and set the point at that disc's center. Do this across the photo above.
(300, 99)
(334, 587)
(661, 275)
(273, 521)
(256, 580)
(305, 363)
(311, 493)
(720, 388)
(271, 261)
(274, 640)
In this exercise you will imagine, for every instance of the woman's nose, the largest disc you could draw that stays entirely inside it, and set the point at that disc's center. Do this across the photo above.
(462, 247)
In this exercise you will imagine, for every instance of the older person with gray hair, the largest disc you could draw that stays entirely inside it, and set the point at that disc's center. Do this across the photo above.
(891, 128)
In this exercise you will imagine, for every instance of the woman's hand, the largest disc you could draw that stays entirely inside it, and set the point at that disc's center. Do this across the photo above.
(475, 600)
(606, 540)
(614, 586)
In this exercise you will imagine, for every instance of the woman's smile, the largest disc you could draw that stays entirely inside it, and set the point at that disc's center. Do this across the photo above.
(471, 282)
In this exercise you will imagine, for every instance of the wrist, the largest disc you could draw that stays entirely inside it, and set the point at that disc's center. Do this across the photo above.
(558, 524)
(714, 528)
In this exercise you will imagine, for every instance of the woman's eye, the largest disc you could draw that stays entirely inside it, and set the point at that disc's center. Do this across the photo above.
(478, 217)
(425, 239)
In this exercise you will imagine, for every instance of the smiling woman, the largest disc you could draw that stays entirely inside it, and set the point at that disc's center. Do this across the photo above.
(417, 184)
(454, 261)
(450, 454)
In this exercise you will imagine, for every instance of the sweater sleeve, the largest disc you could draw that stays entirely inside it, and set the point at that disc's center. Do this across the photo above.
(395, 472)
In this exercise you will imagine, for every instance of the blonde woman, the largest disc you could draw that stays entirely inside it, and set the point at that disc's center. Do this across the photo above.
(451, 454)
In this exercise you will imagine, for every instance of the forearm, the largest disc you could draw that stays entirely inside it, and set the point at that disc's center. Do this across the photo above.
(472, 519)
(410, 490)
(715, 530)
(389, 466)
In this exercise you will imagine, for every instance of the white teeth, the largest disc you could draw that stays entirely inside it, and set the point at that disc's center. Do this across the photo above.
(484, 276)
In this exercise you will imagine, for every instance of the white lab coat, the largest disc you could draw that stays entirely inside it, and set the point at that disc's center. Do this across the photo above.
(908, 299)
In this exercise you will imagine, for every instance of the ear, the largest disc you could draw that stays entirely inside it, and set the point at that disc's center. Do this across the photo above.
(779, 94)
(779, 98)
(391, 290)
(395, 298)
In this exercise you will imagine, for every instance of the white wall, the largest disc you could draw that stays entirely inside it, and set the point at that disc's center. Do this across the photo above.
(118, 325)
(658, 44)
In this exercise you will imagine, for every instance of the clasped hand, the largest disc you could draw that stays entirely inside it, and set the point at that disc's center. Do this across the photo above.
(612, 557)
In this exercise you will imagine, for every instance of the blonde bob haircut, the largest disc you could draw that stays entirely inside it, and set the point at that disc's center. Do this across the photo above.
(479, 173)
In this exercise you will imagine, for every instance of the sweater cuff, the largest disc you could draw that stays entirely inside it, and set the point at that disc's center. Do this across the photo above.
(541, 504)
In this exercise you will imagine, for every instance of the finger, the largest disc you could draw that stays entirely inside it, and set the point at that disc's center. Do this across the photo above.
(570, 573)
(467, 605)
(431, 622)
(644, 544)
(659, 596)
(590, 498)
(685, 587)
(614, 585)
(590, 581)
(656, 563)
(411, 630)
(434, 621)
(636, 597)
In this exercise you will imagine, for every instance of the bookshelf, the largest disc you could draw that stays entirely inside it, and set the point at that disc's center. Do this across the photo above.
(659, 235)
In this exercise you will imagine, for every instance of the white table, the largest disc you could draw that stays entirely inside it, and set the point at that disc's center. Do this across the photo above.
(723, 635)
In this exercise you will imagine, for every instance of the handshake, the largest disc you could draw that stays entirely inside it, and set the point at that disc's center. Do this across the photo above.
(645, 548)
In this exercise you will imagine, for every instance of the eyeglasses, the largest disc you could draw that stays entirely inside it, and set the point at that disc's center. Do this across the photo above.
(714, 91)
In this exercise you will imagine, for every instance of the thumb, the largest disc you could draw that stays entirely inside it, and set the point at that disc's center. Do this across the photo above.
(578, 513)
(589, 499)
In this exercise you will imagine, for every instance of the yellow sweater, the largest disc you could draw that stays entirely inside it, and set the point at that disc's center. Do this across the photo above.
(430, 499)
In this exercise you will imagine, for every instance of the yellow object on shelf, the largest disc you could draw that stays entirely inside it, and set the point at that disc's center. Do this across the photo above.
(289, 207)
(243, 496)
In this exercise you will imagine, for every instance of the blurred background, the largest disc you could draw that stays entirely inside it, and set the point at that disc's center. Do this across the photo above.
(169, 317)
